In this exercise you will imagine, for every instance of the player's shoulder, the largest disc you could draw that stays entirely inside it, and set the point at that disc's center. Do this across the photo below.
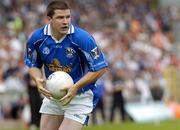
(38, 33)
(81, 33)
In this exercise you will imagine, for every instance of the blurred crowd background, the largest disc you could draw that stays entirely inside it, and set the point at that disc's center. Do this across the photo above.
(140, 39)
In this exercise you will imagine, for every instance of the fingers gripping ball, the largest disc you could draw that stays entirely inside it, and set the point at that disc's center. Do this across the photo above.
(58, 83)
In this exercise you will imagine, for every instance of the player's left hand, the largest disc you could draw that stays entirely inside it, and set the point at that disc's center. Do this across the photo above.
(69, 96)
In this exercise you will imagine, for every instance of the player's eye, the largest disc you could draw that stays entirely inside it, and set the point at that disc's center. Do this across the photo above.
(68, 16)
(60, 17)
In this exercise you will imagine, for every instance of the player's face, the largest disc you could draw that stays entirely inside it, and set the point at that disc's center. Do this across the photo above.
(60, 21)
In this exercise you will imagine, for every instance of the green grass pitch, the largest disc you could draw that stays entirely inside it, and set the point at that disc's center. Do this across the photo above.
(165, 125)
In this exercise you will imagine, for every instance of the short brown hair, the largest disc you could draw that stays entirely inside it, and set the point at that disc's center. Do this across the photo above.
(56, 4)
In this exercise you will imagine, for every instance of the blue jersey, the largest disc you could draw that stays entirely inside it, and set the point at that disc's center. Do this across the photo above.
(76, 53)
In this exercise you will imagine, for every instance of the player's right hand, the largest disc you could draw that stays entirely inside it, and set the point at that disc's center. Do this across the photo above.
(40, 82)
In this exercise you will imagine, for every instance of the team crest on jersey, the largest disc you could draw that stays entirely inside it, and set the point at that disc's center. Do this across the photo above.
(70, 52)
(46, 50)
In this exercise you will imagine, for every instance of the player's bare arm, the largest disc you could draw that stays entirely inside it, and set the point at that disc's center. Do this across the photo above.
(36, 75)
(90, 77)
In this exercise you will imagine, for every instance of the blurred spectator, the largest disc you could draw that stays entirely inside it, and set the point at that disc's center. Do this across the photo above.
(2, 81)
(14, 80)
(35, 101)
(118, 100)
(13, 110)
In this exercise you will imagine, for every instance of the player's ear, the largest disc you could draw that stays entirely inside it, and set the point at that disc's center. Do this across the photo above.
(49, 18)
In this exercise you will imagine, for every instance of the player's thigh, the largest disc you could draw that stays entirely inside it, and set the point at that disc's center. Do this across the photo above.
(69, 124)
(50, 122)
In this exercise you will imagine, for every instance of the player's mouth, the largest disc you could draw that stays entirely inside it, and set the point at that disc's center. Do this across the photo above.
(65, 28)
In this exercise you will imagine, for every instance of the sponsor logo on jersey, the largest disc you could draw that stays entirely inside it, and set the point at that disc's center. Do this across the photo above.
(32, 55)
(55, 65)
(95, 53)
(29, 52)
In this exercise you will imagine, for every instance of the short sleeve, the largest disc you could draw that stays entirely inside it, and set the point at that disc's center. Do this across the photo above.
(94, 56)
(31, 55)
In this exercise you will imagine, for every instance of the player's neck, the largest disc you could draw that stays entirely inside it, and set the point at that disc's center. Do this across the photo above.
(57, 35)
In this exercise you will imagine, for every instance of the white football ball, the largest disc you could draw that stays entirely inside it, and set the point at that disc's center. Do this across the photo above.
(57, 82)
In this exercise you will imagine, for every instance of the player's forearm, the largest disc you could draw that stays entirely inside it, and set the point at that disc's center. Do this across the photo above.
(35, 73)
(90, 77)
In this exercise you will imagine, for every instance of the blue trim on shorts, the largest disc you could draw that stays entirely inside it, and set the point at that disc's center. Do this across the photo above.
(96, 90)
(86, 121)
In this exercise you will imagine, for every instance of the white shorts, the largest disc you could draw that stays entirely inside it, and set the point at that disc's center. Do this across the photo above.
(78, 109)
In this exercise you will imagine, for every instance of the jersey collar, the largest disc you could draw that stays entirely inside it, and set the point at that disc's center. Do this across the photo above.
(47, 30)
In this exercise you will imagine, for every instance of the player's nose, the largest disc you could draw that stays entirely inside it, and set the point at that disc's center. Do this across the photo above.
(65, 21)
